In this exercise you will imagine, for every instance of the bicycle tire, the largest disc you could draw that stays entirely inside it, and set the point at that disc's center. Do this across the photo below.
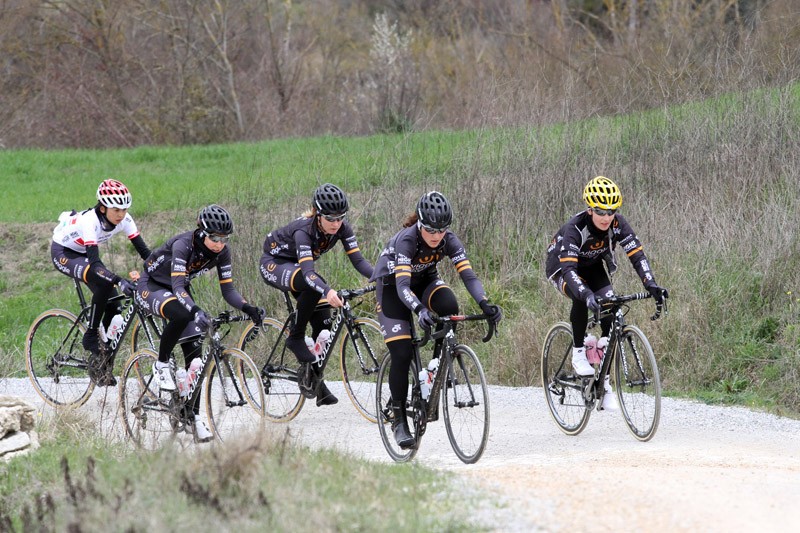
(638, 383)
(385, 415)
(56, 361)
(465, 406)
(282, 397)
(234, 395)
(360, 374)
(563, 394)
(150, 416)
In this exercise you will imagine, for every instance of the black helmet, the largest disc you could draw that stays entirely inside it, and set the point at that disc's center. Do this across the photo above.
(433, 210)
(330, 200)
(214, 219)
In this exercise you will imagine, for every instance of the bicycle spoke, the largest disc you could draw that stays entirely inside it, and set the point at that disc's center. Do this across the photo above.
(466, 405)
(561, 388)
(638, 384)
(360, 358)
(234, 395)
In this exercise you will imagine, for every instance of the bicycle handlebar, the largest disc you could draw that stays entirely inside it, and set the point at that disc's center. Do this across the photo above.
(436, 335)
(349, 294)
(616, 301)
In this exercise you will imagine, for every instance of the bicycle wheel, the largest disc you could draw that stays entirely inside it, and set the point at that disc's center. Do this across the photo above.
(151, 417)
(561, 388)
(361, 355)
(466, 404)
(56, 361)
(234, 395)
(385, 415)
(638, 383)
(278, 368)
(139, 338)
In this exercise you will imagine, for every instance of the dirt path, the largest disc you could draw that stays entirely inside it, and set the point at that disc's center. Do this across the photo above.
(708, 468)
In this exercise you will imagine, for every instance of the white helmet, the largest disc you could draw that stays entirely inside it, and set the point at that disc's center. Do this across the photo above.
(112, 193)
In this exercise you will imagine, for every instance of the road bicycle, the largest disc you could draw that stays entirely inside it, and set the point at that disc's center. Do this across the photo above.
(63, 373)
(571, 398)
(359, 342)
(228, 384)
(458, 379)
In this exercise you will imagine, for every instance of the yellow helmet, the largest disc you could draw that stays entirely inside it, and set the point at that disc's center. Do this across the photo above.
(602, 193)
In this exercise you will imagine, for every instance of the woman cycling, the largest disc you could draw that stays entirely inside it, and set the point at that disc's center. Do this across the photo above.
(165, 290)
(409, 281)
(575, 261)
(290, 254)
(76, 252)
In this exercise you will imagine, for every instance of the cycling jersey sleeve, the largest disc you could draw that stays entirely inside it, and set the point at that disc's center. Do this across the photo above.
(458, 255)
(635, 251)
(405, 248)
(305, 259)
(97, 266)
(181, 253)
(353, 252)
(568, 259)
(225, 273)
(141, 247)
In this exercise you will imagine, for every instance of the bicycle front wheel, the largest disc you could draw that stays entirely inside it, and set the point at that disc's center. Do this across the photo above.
(466, 404)
(562, 388)
(638, 383)
(56, 360)
(383, 398)
(150, 417)
(278, 367)
(361, 354)
(234, 395)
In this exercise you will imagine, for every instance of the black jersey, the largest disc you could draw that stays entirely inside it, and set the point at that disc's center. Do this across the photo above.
(578, 244)
(408, 260)
(181, 259)
(303, 242)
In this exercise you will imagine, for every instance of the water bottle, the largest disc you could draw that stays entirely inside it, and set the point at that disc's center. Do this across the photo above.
(310, 344)
(323, 340)
(115, 328)
(183, 386)
(424, 383)
(194, 368)
(433, 365)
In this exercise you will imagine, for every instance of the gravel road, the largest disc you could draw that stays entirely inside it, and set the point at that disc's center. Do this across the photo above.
(708, 468)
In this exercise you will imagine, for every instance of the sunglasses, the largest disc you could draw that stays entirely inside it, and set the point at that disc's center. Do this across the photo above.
(434, 231)
(334, 218)
(219, 238)
(604, 212)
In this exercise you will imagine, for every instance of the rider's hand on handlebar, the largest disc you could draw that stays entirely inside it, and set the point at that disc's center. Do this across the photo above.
(126, 287)
(591, 303)
(493, 312)
(659, 293)
(334, 299)
(202, 320)
(426, 320)
(256, 314)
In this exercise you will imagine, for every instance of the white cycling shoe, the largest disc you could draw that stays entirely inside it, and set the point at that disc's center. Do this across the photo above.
(610, 402)
(580, 363)
(201, 431)
(163, 374)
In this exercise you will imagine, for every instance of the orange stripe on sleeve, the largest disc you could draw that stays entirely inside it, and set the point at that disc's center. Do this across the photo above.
(569, 259)
(639, 249)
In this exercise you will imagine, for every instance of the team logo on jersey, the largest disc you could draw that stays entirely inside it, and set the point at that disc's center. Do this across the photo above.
(396, 328)
(312, 277)
(184, 294)
(273, 244)
(145, 294)
(597, 245)
(427, 259)
(271, 267)
(378, 308)
(63, 260)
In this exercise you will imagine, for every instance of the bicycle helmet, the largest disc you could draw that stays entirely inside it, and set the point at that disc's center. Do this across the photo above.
(602, 193)
(214, 219)
(112, 193)
(330, 200)
(434, 211)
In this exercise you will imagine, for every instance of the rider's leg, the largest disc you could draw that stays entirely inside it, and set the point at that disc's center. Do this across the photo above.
(401, 351)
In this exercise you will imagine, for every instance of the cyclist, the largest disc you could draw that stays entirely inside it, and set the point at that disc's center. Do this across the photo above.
(75, 251)
(164, 289)
(574, 266)
(408, 280)
(290, 254)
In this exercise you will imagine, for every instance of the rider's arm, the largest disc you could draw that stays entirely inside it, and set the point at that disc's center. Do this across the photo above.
(305, 259)
(350, 244)
(141, 247)
(181, 253)
(225, 273)
(568, 254)
(97, 266)
(130, 229)
(405, 248)
(454, 248)
(635, 251)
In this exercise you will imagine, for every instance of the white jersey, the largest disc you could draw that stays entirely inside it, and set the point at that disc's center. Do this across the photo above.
(83, 229)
